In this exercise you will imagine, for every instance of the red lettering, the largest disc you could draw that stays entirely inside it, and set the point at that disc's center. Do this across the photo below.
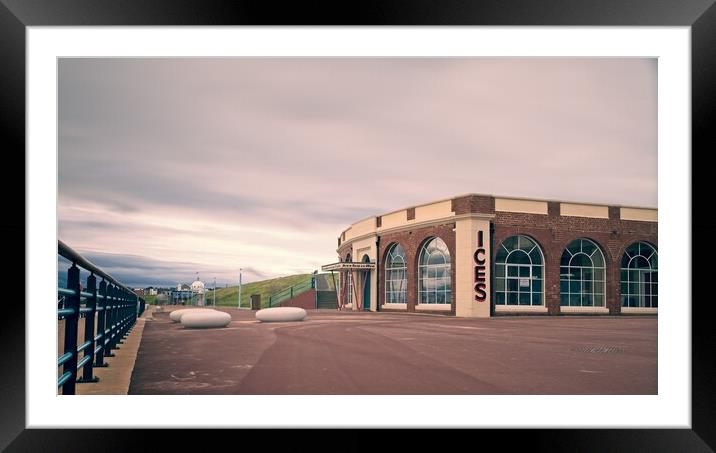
(480, 293)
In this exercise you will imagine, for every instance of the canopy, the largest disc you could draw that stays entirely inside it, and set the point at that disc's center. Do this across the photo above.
(348, 266)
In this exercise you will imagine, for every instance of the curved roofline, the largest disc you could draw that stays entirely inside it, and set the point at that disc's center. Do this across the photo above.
(588, 203)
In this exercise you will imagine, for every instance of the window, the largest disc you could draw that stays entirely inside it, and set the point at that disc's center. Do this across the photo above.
(434, 279)
(581, 275)
(640, 276)
(519, 272)
(395, 275)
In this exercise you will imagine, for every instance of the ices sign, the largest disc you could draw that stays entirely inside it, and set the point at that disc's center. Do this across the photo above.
(480, 270)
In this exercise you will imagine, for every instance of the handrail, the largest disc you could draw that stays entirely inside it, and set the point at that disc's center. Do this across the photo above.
(113, 305)
(65, 251)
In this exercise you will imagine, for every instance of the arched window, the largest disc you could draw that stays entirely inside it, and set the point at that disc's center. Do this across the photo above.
(349, 281)
(519, 272)
(640, 276)
(395, 278)
(434, 281)
(581, 275)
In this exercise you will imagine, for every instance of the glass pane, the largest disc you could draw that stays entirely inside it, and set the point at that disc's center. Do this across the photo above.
(513, 284)
(563, 286)
(524, 271)
(598, 300)
(536, 256)
(587, 300)
(598, 259)
(537, 271)
(598, 288)
(519, 257)
(565, 259)
(599, 274)
(536, 299)
(512, 271)
(499, 271)
(510, 243)
(581, 260)
(524, 299)
(564, 299)
(639, 262)
(499, 284)
(537, 286)
(501, 255)
(511, 299)
(575, 246)
(575, 300)
(576, 273)
(575, 287)
(499, 298)
(564, 273)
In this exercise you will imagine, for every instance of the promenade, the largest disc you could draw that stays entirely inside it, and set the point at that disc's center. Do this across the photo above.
(334, 352)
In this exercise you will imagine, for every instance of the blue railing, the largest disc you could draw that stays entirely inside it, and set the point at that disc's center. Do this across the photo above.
(109, 310)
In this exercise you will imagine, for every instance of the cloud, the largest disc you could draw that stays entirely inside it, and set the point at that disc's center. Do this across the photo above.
(262, 162)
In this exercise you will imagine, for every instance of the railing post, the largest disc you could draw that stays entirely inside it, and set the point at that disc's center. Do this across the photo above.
(99, 357)
(73, 302)
(111, 293)
(91, 302)
(121, 316)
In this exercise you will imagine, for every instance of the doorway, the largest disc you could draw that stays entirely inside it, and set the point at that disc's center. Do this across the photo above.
(366, 285)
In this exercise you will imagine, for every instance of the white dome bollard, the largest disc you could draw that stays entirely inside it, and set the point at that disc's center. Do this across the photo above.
(176, 315)
(205, 319)
(281, 314)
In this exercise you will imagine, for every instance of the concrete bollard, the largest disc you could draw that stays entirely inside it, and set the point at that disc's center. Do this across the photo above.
(256, 301)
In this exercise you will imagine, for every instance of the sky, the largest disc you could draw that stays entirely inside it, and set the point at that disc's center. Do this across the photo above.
(169, 167)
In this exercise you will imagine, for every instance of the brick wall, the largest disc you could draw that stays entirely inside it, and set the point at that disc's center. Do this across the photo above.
(553, 233)
(305, 300)
(412, 241)
(473, 203)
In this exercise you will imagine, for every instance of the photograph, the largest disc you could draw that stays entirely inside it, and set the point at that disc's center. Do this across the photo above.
(357, 226)
(417, 218)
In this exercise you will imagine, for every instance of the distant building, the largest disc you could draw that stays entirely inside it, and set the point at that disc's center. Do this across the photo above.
(193, 294)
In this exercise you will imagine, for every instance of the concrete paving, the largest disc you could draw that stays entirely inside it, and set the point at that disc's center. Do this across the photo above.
(334, 352)
(114, 379)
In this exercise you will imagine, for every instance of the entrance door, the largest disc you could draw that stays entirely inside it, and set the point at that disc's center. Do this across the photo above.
(366, 286)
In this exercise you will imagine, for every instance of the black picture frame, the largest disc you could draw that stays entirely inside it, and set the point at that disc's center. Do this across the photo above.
(700, 15)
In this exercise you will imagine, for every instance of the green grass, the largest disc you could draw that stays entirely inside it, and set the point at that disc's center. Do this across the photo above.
(229, 297)
(149, 300)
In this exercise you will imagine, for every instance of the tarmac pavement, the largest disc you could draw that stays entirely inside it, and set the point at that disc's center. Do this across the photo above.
(333, 352)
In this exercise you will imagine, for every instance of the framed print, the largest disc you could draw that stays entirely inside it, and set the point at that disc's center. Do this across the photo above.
(353, 143)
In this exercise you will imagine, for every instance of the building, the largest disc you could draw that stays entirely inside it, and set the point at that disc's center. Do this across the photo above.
(483, 255)
(183, 295)
(197, 288)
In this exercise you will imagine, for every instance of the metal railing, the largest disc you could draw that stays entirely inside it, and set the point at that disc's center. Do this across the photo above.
(291, 292)
(109, 310)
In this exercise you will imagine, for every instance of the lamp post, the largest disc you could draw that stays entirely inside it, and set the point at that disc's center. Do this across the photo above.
(240, 287)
